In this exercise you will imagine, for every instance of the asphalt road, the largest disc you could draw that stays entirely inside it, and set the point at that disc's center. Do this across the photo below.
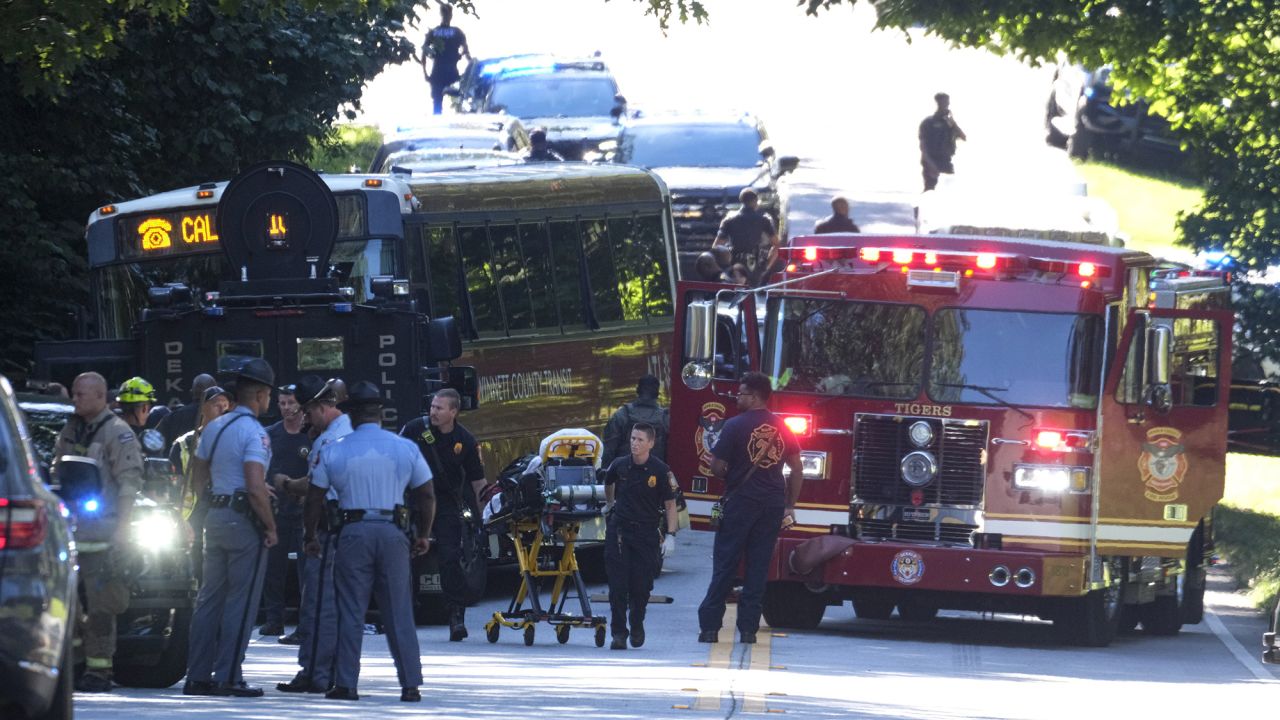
(962, 665)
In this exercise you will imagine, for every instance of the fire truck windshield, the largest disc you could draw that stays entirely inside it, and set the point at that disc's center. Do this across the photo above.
(1003, 357)
(846, 348)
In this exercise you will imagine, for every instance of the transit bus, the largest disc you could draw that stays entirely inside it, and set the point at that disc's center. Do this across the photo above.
(560, 277)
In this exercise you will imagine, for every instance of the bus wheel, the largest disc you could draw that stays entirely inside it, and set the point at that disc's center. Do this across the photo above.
(872, 608)
(792, 605)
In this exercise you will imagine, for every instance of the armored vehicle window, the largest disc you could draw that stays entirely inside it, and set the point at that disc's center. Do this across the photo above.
(602, 269)
(477, 263)
(320, 353)
(566, 257)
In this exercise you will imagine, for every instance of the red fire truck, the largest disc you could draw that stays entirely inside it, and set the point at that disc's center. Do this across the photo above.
(988, 424)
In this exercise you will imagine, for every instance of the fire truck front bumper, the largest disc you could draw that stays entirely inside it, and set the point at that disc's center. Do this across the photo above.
(904, 566)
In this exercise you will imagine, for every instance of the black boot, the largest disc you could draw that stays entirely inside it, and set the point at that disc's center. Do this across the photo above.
(457, 624)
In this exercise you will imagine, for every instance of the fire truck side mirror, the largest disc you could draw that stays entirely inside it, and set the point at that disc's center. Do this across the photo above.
(1159, 393)
(699, 331)
(444, 341)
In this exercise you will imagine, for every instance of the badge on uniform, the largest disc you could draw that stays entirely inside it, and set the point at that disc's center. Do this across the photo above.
(653, 481)
(427, 437)
(457, 448)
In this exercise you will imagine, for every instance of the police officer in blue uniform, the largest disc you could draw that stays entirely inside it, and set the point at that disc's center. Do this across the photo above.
(232, 458)
(370, 470)
(317, 608)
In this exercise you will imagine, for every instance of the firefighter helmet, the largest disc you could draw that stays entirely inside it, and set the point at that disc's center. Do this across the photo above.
(136, 390)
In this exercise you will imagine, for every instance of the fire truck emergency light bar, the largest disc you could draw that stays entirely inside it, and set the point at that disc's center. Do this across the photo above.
(933, 269)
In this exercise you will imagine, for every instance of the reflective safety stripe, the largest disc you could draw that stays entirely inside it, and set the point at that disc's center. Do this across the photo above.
(1082, 532)
(702, 508)
(94, 663)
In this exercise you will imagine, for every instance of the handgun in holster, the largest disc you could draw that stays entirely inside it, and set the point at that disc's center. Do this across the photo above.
(402, 519)
(332, 515)
(240, 503)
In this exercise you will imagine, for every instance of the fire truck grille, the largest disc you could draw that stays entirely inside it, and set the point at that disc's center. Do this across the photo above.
(880, 442)
(951, 533)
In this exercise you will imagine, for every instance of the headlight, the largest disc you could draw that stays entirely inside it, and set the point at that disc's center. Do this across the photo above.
(1051, 478)
(921, 434)
(155, 532)
(813, 465)
(919, 469)
(686, 211)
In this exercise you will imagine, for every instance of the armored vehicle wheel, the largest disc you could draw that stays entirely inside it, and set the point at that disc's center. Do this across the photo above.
(792, 605)
(169, 667)
(562, 634)
(491, 632)
(528, 634)
(873, 608)
(600, 636)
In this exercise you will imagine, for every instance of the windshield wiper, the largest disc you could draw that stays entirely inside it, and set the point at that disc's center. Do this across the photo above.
(991, 393)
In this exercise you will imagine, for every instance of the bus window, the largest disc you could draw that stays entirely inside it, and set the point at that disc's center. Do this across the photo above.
(536, 249)
(442, 264)
(477, 262)
(513, 279)
(656, 274)
(629, 259)
(122, 288)
(602, 272)
(567, 259)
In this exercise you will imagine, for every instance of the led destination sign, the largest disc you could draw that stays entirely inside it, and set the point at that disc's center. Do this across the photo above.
(167, 233)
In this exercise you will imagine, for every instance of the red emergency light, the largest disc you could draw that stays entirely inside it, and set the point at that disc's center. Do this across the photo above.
(1051, 440)
(799, 425)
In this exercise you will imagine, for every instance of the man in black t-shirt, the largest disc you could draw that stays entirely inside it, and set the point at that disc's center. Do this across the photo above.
(938, 135)
(444, 47)
(750, 236)
(638, 494)
(748, 456)
(287, 440)
(838, 221)
(457, 474)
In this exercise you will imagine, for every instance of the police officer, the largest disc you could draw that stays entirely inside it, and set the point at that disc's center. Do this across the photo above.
(232, 456)
(95, 432)
(317, 609)
(453, 455)
(749, 455)
(539, 150)
(938, 135)
(370, 470)
(750, 236)
(638, 484)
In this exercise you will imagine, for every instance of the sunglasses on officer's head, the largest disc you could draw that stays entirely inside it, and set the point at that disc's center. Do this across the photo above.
(290, 389)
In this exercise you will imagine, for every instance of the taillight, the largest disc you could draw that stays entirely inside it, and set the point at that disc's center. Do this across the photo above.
(22, 524)
(799, 425)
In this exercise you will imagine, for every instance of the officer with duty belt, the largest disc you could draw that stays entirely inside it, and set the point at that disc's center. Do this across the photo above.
(317, 608)
(233, 456)
(453, 455)
(96, 432)
(638, 483)
(370, 470)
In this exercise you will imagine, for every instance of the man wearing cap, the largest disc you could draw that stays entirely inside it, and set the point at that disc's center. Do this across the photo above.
(539, 150)
(289, 448)
(317, 609)
(195, 505)
(453, 454)
(232, 458)
(370, 470)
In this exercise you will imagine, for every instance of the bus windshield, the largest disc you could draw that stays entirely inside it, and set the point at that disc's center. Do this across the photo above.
(122, 287)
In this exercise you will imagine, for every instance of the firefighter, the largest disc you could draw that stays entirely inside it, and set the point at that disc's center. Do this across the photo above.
(317, 608)
(136, 396)
(232, 458)
(749, 455)
(453, 454)
(370, 470)
(638, 493)
(95, 432)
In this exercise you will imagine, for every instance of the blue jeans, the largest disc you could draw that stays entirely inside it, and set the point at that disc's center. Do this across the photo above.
(747, 532)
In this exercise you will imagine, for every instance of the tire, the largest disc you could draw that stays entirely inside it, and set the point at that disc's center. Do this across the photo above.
(60, 707)
(1130, 616)
(475, 568)
(1081, 143)
(792, 605)
(528, 634)
(170, 667)
(873, 608)
(916, 612)
(1191, 591)
(1162, 617)
(1094, 620)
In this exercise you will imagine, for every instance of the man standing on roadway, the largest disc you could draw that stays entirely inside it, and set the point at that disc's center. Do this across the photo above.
(749, 455)
(444, 47)
(232, 457)
(184, 419)
(370, 470)
(938, 135)
(453, 454)
(838, 221)
(95, 432)
(317, 632)
(644, 409)
(638, 483)
(287, 439)
(750, 236)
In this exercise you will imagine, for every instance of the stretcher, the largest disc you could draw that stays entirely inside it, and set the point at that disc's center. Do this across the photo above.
(542, 512)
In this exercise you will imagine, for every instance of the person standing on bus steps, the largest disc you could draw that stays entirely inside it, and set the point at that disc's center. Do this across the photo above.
(749, 455)
(288, 438)
(644, 409)
(232, 458)
(938, 135)
(750, 236)
(638, 496)
(838, 221)
(453, 454)
(95, 432)
(444, 47)
(370, 470)
(317, 632)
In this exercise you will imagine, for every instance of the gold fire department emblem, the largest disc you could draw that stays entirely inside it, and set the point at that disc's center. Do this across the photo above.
(1163, 464)
(710, 423)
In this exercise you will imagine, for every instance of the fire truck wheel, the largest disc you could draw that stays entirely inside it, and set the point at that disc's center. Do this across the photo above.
(873, 608)
(1191, 583)
(1094, 620)
(1162, 617)
(792, 605)
(916, 612)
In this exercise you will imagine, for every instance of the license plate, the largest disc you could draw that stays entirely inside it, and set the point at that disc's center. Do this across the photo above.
(915, 515)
